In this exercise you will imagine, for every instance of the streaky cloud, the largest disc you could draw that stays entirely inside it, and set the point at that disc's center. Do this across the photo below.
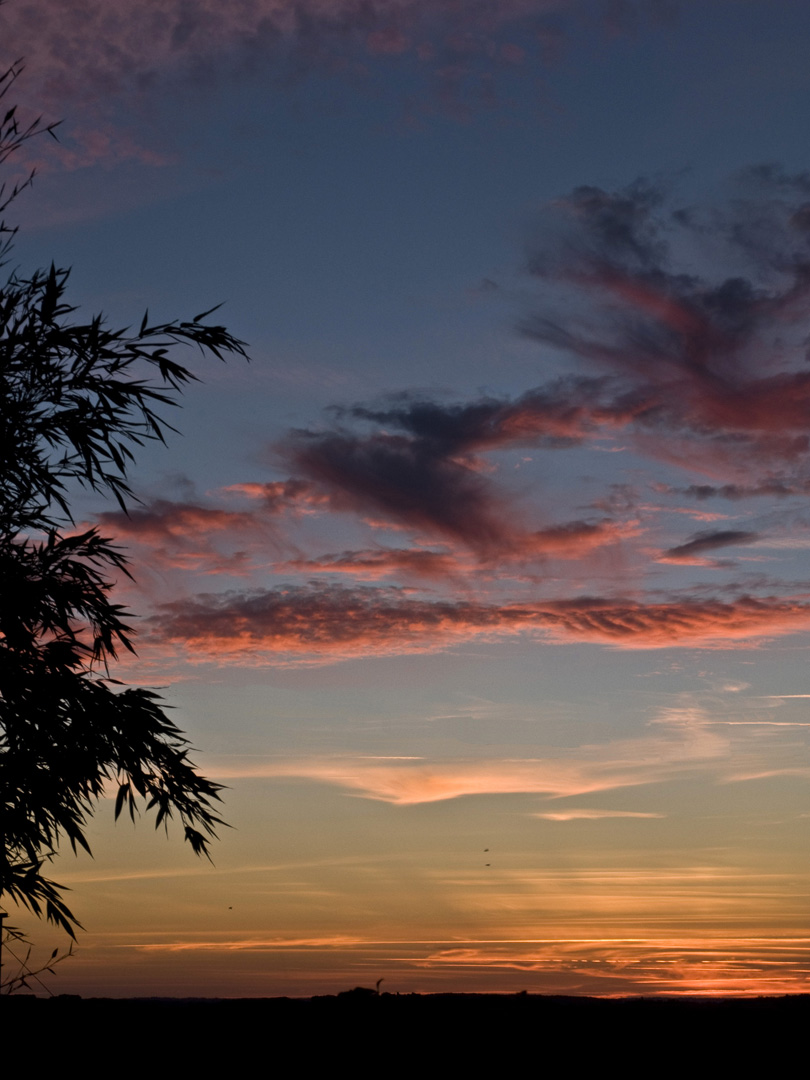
(708, 540)
(592, 815)
(673, 750)
(332, 622)
(370, 564)
(769, 489)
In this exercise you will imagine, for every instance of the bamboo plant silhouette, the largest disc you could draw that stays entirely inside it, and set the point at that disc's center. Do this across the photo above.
(75, 399)
(23, 974)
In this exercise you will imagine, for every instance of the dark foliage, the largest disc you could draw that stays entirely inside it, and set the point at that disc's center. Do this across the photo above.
(75, 400)
(16, 952)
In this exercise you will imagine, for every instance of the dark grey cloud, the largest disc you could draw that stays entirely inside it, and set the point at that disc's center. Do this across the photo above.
(418, 463)
(558, 414)
(692, 324)
(710, 540)
(703, 310)
(403, 480)
(771, 488)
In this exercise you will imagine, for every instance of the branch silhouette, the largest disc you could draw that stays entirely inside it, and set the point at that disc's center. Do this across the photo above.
(76, 401)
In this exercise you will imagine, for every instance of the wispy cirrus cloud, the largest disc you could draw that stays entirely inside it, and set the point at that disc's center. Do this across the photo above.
(112, 45)
(678, 744)
(704, 965)
(102, 60)
(580, 814)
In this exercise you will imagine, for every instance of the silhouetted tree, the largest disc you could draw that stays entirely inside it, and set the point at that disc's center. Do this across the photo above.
(75, 399)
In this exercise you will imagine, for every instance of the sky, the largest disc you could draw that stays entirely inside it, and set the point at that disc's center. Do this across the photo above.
(483, 587)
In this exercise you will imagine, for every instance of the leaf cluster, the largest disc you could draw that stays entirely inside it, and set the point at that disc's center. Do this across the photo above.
(13, 134)
(76, 400)
(24, 975)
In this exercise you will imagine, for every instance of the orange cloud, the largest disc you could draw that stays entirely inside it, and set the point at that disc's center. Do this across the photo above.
(283, 497)
(192, 536)
(703, 964)
(163, 521)
(184, 535)
(592, 815)
(685, 743)
(331, 622)
(577, 539)
(371, 564)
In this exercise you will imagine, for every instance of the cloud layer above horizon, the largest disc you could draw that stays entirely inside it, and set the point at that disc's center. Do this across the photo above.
(684, 331)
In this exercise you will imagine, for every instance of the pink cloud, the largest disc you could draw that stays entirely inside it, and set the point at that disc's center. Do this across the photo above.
(283, 497)
(331, 622)
(374, 563)
(577, 539)
(107, 51)
(189, 536)
(674, 750)
(712, 364)
(210, 539)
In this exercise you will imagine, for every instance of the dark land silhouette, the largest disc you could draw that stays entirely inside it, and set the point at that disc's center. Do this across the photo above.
(387, 1032)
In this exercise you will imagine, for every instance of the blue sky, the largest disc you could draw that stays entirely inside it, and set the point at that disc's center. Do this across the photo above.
(484, 586)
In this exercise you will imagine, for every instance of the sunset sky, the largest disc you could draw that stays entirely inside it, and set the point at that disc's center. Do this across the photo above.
(484, 587)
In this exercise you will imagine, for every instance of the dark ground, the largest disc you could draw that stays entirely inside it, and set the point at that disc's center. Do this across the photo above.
(389, 1033)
